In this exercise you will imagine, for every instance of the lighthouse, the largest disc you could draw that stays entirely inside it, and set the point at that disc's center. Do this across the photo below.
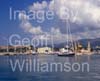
(89, 47)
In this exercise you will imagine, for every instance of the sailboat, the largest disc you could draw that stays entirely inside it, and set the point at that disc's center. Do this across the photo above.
(68, 50)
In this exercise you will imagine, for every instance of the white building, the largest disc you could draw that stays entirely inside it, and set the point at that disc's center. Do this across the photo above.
(44, 50)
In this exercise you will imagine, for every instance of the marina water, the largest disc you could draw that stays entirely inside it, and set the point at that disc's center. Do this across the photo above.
(31, 71)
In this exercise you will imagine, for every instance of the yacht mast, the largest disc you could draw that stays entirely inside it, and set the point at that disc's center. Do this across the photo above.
(69, 36)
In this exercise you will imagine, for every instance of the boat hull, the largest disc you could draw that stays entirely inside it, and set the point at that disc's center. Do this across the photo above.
(67, 55)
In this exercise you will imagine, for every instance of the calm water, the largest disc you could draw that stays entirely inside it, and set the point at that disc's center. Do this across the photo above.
(6, 73)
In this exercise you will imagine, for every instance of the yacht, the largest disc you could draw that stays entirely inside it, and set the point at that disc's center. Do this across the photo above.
(67, 51)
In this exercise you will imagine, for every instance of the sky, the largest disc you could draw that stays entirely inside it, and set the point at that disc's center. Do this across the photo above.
(83, 18)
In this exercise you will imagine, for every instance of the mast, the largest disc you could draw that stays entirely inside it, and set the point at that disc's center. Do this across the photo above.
(52, 43)
(69, 36)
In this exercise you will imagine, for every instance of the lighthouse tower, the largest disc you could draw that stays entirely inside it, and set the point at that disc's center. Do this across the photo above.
(89, 47)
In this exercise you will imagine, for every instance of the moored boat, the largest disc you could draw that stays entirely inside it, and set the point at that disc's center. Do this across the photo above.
(66, 52)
